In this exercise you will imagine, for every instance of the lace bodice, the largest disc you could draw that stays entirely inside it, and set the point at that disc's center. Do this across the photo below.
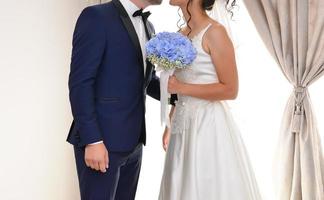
(201, 71)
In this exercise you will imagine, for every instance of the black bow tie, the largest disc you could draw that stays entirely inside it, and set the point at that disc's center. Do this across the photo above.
(140, 12)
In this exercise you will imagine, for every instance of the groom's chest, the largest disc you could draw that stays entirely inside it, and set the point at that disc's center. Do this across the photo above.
(139, 29)
(129, 42)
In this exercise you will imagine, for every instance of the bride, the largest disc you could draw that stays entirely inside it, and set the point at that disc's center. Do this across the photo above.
(206, 158)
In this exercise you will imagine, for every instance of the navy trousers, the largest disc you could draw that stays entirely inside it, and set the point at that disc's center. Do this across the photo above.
(118, 183)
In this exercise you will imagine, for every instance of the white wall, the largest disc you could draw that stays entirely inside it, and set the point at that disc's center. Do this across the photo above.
(35, 43)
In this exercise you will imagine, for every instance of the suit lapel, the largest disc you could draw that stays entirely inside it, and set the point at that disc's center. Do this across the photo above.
(150, 28)
(130, 29)
(149, 65)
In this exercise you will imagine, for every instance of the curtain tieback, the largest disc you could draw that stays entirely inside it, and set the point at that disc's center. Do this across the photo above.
(298, 117)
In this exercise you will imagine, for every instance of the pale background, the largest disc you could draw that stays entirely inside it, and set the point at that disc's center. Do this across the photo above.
(35, 46)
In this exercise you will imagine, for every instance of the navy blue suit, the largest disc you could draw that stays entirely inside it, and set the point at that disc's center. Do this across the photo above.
(107, 94)
(107, 83)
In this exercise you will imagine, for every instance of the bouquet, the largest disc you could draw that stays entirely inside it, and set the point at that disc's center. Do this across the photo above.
(169, 51)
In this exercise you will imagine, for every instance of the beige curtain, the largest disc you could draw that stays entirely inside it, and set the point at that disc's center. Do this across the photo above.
(104, 1)
(94, 2)
(293, 32)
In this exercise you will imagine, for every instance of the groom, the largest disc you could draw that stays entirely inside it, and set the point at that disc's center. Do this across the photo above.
(108, 83)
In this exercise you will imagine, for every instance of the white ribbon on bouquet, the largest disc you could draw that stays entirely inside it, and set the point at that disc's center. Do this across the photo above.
(165, 95)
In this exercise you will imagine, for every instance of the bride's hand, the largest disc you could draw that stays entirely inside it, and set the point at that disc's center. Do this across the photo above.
(166, 138)
(174, 85)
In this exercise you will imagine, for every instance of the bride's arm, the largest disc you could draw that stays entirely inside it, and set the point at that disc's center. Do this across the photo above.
(220, 47)
(167, 132)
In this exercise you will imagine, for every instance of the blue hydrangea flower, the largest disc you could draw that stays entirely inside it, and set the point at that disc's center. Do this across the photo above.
(170, 50)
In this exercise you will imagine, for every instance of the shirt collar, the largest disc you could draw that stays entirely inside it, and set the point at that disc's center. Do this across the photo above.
(129, 6)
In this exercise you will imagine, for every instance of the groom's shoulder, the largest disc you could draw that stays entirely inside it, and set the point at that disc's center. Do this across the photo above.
(98, 11)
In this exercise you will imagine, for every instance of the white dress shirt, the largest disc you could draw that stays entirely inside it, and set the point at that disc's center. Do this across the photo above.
(130, 8)
(138, 24)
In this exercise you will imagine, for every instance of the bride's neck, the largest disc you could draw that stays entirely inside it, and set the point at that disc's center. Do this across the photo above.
(195, 14)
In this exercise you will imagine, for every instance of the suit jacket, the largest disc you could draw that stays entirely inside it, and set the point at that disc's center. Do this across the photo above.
(107, 83)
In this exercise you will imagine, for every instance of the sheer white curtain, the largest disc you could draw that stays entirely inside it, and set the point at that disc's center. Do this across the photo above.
(293, 31)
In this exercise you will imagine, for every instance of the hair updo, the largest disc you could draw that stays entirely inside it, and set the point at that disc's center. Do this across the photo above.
(207, 5)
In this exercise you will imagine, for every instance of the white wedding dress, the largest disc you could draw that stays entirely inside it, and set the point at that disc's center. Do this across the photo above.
(206, 158)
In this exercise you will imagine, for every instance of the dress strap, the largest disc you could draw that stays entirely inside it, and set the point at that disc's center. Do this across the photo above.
(202, 33)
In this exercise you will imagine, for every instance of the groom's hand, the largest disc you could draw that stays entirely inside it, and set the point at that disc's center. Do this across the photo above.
(96, 157)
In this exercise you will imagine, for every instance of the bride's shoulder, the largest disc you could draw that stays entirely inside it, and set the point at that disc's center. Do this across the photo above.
(217, 34)
(216, 39)
(216, 29)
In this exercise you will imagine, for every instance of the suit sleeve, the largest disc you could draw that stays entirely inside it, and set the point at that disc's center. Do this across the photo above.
(153, 89)
(88, 48)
